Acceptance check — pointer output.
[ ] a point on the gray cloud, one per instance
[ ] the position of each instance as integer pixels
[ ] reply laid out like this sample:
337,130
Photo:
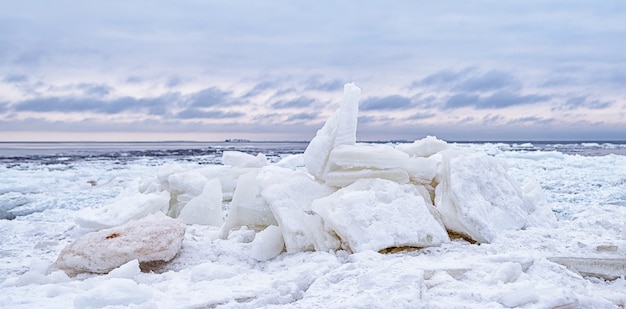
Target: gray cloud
500,99
420,116
193,113
391,102
301,116
95,89
470,80
301,102
211,97
261,87
316,83
462,100
444,78
173,81
15,78
531,120
584,102
492,80
155,106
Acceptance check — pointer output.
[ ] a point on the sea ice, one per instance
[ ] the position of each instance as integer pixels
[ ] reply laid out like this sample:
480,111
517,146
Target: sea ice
425,147
267,244
476,197
153,238
248,208
242,159
366,156
123,209
289,194
339,129
375,214
206,208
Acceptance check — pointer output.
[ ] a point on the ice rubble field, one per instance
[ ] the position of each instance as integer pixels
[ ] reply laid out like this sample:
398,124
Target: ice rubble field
323,255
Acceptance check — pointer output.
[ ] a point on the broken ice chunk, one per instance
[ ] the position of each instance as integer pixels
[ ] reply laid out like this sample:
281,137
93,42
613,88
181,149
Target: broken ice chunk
248,208
340,129
375,214
366,156
122,210
476,197
425,147
206,208
242,159
267,244
342,178
290,194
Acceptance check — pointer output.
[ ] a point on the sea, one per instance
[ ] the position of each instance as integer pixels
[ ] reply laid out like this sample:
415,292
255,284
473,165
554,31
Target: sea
210,152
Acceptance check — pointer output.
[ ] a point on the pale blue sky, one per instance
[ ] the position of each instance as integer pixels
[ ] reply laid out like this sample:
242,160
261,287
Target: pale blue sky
274,70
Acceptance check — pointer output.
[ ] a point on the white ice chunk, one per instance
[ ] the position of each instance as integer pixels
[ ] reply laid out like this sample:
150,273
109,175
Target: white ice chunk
128,270
227,175
294,161
342,178
476,197
205,208
340,129
374,214
372,156
242,159
123,210
183,186
189,182
267,244
289,195
425,147
153,238
248,208
422,170
536,203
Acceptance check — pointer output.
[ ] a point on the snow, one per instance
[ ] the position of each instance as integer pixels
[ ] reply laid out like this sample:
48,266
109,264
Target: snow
305,233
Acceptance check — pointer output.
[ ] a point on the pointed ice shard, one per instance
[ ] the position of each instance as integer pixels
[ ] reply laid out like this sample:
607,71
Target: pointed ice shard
340,129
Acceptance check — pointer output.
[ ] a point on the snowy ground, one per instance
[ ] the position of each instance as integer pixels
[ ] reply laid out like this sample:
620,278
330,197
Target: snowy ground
588,195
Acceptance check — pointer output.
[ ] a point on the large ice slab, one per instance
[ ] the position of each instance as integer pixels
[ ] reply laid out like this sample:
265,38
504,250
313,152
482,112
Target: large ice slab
373,156
248,208
242,159
425,147
290,195
206,208
123,209
476,197
374,214
154,238
267,244
340,129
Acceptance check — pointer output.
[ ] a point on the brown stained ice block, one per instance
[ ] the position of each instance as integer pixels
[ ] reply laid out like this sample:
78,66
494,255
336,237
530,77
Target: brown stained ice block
609,269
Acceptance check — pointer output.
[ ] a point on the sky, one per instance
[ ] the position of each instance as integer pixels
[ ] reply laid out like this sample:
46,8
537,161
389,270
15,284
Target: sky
274,70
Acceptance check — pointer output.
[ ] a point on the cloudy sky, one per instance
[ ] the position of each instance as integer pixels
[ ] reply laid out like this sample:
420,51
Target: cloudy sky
274,70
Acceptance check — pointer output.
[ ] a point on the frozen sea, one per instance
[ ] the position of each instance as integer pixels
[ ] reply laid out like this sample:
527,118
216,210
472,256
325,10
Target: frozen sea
43,185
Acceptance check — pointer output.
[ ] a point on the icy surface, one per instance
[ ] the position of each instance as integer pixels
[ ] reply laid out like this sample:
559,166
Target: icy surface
585,193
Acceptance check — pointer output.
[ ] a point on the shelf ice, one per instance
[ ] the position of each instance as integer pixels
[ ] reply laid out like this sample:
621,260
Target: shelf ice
348,195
